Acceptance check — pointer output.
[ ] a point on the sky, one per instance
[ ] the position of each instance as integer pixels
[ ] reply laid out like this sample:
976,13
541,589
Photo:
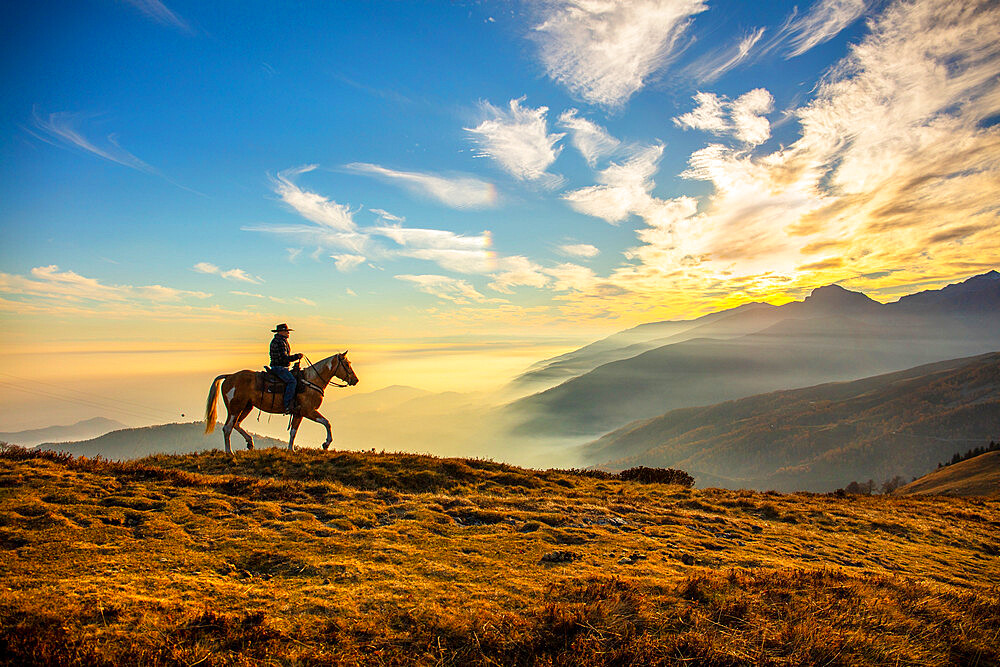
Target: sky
453,191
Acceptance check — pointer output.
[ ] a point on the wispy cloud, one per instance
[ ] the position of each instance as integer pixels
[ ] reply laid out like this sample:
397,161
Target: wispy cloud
572,278
455,290
432,238
624,188
310,205
823,22
604,51
711,67
346,263
62,129
160,13
320,236
457,192
276,299
584,250
592,140
517,271
385,215
709,115
229,274
51,290
519,141
450,251
742,118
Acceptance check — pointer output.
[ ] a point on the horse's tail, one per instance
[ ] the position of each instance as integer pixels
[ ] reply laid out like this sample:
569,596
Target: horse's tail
213,397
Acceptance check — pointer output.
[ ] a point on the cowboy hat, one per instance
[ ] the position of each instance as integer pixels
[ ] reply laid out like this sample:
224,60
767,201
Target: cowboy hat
281,327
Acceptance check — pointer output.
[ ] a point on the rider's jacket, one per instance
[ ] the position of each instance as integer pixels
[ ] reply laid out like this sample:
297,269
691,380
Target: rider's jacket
281,351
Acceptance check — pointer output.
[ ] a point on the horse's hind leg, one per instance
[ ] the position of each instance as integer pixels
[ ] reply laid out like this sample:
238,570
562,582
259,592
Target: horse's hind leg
293,427
243,415
227,430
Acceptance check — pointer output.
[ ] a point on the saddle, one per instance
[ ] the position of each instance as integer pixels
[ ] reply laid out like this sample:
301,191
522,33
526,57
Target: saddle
272,384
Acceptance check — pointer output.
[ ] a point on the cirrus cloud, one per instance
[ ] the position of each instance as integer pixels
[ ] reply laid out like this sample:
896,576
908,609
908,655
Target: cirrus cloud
230,274
519,141
459,192
50,290
310,205
823,22
624,188
743,118
456,290
604,51
584,250
592,140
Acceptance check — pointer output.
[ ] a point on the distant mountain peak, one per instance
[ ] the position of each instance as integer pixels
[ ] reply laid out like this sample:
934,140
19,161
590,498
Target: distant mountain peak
836,296
989,276
978,294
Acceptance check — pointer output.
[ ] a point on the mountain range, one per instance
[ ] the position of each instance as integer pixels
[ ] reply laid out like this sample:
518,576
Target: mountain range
81,430
832,335
135,443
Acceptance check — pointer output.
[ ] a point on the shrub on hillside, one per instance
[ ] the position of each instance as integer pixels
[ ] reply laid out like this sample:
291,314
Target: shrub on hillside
593,473
640,474
657,476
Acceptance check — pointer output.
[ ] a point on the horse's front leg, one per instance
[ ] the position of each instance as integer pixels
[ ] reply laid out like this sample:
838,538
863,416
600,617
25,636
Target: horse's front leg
320,419
296,420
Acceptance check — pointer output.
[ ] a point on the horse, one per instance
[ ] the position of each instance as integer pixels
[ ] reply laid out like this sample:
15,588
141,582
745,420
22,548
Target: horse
244,390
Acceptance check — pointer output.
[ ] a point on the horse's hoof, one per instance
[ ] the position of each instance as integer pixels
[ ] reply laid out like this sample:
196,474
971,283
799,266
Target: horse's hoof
250,446
326,446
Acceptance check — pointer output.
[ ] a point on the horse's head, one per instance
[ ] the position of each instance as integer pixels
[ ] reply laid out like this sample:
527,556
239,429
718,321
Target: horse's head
344,371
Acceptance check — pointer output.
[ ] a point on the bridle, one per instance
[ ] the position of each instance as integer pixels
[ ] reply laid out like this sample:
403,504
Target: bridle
340,364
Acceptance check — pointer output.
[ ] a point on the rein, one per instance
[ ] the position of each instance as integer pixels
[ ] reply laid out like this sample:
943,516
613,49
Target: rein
340,362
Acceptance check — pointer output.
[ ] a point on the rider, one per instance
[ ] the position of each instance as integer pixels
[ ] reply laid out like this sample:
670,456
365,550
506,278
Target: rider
281,356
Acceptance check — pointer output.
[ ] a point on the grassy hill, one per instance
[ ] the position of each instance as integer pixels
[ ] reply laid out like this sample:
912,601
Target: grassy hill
361,558
135,443
820,438
979,476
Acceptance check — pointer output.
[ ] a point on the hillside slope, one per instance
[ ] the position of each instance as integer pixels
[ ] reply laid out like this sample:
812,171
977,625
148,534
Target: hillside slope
345,558
978,476
822,437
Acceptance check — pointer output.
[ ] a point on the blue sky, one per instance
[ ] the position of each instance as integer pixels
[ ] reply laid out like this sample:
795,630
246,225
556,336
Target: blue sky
518,176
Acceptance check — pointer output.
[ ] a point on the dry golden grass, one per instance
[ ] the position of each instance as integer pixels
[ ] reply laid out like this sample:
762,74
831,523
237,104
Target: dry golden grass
363,558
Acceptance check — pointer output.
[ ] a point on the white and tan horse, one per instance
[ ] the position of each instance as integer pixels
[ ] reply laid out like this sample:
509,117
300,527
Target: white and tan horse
243,391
